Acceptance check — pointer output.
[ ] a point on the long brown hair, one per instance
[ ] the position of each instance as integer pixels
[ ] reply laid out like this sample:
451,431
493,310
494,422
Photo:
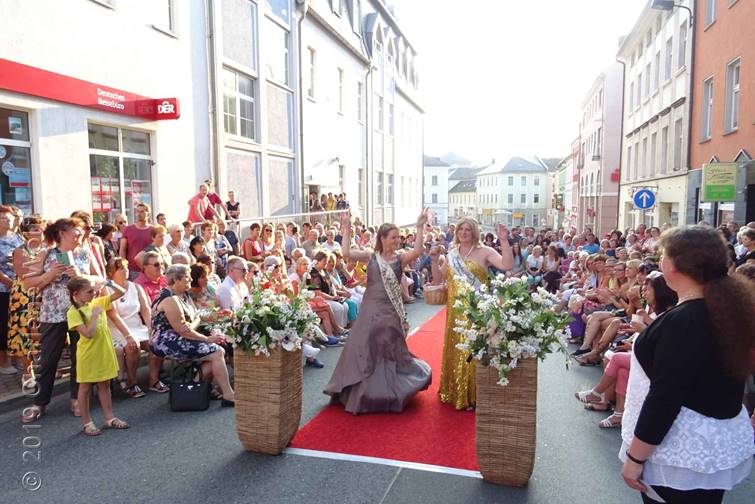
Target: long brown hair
382,233
701,253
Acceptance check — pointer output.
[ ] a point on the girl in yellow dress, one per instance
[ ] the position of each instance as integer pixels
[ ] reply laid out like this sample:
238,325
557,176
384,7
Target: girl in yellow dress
468,261
95,355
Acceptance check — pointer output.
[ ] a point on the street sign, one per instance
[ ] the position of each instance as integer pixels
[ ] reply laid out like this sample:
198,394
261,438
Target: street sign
719,182
644,199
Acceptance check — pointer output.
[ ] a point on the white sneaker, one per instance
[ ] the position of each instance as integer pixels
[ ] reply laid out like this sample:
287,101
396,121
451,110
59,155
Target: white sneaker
8,370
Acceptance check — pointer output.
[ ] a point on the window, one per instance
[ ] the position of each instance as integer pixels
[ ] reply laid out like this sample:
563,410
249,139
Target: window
710,12
682,61
435,180
360,101
435,198
536,181
240,43
524,180
523,199
389,188
277,48
627,173
381,124
631,96
511,199
647,80
120,166
337,6
639,90
239,104
340,90
356,21
390,119
657,73
664,149
15,158
678,144
644,157
280,8
669,58
732,96
707,109
599,142
380,192
360,186
636,159
536,198
280,116
511,181
312,74
653,152
649,38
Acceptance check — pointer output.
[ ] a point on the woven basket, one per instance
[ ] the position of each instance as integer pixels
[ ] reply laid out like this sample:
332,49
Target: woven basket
505,424
268,399
435,294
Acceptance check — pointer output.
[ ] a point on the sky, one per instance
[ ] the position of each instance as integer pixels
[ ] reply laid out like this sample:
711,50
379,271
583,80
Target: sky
507,77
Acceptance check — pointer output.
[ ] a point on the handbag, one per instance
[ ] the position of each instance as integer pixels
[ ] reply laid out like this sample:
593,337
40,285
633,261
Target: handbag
186,394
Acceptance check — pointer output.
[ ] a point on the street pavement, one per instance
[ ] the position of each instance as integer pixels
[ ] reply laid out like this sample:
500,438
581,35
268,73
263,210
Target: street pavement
196,457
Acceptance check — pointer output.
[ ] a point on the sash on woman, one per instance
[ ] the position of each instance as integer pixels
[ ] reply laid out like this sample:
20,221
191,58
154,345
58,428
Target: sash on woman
393,289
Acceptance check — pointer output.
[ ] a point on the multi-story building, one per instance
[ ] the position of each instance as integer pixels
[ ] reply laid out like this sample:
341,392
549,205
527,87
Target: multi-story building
600,132
515,193
435,190
561,197
657,60
723,111
462,195
102,104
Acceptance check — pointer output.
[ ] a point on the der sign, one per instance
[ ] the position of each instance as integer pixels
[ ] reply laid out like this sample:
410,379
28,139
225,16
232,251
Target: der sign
719,182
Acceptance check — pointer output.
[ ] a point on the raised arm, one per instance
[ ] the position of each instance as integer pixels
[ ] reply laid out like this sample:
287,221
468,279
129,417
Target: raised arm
413,254
348,252
505,260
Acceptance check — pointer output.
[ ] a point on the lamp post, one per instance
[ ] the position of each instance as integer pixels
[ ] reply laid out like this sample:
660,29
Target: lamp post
668,5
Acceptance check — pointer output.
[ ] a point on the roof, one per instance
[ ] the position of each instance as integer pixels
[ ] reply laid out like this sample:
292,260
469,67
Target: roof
550,163
516,165
465,172
433,161
464,186
454,159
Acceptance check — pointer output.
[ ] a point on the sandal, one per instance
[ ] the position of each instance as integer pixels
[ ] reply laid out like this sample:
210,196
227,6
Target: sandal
116,423
584,396
90,429
159,387
584,360
134,391
598,406
32,414
611,422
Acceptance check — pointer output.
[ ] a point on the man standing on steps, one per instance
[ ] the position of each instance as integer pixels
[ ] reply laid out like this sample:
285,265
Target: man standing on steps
136,238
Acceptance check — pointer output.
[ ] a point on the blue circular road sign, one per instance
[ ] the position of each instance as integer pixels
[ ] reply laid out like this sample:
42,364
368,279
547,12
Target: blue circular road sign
644,199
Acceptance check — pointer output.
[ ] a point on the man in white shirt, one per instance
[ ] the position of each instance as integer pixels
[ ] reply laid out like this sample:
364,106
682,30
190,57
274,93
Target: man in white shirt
234,290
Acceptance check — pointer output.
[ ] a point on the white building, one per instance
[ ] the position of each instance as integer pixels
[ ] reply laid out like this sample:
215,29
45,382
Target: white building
435,190
515,193
82,92
657,59
599,165
462,192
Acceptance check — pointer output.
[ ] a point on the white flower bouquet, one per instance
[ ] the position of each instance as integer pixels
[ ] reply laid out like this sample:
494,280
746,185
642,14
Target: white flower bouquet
507,323
268,320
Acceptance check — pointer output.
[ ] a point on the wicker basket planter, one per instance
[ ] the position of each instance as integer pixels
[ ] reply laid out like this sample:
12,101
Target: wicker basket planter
435,294
505,424
268,399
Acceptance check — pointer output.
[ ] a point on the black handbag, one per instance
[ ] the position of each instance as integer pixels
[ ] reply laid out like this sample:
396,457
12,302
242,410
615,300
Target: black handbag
187,394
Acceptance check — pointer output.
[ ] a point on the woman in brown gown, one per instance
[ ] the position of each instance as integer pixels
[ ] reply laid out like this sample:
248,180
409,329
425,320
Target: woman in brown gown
376,372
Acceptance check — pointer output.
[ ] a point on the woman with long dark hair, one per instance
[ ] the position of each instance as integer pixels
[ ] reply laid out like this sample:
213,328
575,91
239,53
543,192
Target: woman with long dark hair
686,435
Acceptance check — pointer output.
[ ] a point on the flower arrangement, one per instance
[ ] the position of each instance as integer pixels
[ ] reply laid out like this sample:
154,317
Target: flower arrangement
507,323
268,320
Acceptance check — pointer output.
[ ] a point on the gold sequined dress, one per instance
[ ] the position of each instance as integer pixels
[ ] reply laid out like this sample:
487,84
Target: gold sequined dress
457,376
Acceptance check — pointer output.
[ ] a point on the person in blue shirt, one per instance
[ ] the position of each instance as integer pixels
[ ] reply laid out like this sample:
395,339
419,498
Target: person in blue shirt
591,246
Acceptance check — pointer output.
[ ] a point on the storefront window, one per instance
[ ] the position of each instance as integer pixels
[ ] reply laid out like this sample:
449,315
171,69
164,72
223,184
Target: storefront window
121,169
15,160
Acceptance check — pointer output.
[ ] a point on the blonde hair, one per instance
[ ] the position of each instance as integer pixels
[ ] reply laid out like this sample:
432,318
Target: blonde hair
475,229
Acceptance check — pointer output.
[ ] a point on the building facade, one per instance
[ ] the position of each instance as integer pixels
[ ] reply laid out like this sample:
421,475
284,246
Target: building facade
516,193
462,191
100,126
561,214
599,168
435,191
657,61
723,111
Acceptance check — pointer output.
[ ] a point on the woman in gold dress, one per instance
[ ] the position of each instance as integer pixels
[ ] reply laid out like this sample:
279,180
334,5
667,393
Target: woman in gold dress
469,261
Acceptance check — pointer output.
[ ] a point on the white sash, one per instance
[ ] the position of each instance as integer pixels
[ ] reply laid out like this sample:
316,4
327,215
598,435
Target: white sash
459,267
393,289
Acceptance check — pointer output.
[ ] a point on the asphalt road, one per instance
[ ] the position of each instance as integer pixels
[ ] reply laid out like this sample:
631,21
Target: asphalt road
196,457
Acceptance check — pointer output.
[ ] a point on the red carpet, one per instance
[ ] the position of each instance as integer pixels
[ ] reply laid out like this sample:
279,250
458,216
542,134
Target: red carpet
427,432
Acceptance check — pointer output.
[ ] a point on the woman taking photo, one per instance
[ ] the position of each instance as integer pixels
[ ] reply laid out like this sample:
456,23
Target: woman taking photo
687,376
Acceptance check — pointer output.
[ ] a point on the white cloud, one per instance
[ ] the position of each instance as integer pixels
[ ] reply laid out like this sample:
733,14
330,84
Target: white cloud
505,77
